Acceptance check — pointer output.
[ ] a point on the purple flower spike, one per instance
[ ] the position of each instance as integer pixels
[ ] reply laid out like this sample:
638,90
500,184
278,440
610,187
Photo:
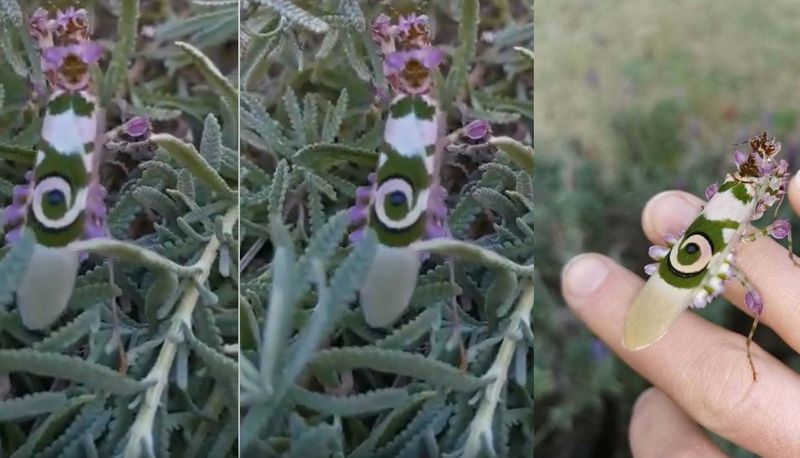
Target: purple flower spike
477,130
137,128
753,302
780,229
739,157
711,190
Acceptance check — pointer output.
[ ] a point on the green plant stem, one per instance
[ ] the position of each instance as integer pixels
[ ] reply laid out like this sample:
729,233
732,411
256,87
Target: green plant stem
480,429
142,428
130,252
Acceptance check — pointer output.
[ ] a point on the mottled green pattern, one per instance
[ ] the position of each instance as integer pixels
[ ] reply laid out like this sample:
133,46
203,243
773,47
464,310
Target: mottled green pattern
712,230
75,101
56,237
70,166
738,189
413,104
413,170
72,169
398,237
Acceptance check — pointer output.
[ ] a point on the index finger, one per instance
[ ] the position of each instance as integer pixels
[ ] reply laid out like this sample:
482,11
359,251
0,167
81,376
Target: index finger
698,364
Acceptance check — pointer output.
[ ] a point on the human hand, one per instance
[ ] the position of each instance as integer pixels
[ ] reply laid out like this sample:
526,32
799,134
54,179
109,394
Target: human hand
699,369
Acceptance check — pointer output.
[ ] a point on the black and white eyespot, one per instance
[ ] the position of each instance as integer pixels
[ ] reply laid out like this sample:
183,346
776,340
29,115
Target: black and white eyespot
53,204
398,194
692,255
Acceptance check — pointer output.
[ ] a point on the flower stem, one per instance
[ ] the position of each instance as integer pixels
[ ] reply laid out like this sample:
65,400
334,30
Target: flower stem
142,428
480,430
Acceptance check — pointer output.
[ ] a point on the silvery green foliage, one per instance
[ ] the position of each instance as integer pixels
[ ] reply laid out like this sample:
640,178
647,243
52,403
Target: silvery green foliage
316,381
173,211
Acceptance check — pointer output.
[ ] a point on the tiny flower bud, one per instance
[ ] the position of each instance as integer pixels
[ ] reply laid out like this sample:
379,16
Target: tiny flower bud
753,302
780,228
137,128
477,130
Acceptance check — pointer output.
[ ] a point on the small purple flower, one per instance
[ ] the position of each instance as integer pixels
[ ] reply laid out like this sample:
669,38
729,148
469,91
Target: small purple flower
356,235
363,194
137,128
477,130
780,228
88,53
765,166
71,19
356,215
739,157
650,269
430,58
407,23
753,302
13,214
711,190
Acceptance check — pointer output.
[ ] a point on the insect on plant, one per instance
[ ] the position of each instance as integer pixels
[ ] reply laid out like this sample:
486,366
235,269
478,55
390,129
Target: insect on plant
693,266
62,201
404,201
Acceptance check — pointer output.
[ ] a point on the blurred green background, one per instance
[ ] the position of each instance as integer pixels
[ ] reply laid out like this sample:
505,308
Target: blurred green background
634,98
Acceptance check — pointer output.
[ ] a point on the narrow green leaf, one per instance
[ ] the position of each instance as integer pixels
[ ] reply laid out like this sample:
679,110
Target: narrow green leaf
358,404
522,155
123,50
398,362
215,79
32,405
14,264
188,157
295,14
69,368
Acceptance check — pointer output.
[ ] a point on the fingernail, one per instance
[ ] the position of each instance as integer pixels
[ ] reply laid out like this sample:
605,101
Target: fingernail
670,212
583,275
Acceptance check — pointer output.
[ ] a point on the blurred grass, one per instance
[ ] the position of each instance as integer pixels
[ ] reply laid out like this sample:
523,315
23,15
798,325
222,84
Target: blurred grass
635,98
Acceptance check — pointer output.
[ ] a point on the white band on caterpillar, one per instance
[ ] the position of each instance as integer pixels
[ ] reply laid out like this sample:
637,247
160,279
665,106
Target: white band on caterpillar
56,183
399,184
